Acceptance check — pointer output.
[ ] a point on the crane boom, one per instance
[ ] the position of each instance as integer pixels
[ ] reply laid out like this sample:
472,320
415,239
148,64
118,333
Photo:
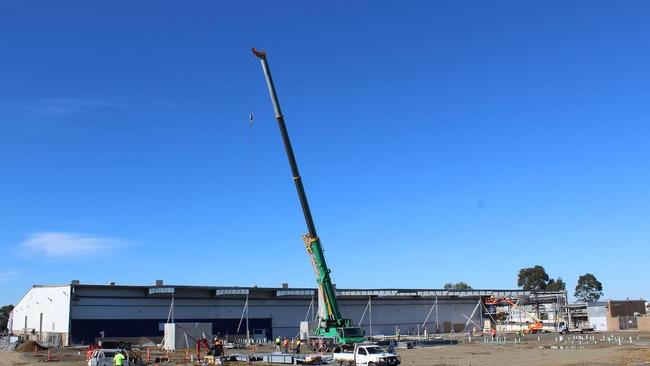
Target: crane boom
333,324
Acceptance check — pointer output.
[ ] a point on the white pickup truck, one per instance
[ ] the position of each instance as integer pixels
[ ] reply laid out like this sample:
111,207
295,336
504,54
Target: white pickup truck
563,328
365,354
104,357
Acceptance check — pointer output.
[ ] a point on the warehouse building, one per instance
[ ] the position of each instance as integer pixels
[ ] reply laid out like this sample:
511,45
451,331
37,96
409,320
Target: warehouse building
607,315
80,313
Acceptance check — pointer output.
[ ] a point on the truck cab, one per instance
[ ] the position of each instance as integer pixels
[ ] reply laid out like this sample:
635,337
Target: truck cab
350,335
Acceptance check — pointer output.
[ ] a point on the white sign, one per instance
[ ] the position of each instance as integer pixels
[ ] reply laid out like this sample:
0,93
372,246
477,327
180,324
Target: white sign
161,290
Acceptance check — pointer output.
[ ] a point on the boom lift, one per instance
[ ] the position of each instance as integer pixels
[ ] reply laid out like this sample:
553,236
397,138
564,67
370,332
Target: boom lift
331,324
534,327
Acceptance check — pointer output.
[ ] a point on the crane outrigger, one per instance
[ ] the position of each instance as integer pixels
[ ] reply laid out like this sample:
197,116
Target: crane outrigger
331,324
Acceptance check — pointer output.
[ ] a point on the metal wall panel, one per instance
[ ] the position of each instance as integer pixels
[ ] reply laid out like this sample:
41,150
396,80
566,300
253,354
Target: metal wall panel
388,313
42,311
52,302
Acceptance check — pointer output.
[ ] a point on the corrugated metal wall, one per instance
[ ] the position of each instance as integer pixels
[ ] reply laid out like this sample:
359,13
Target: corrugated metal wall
43,312
130,312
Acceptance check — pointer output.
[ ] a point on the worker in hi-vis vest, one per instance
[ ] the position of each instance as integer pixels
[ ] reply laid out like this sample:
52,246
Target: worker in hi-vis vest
119,358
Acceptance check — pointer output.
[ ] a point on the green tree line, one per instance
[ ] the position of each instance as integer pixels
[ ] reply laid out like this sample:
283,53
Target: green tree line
588,288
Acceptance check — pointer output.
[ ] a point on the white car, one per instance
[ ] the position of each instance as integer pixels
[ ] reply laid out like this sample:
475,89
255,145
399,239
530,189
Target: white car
104,357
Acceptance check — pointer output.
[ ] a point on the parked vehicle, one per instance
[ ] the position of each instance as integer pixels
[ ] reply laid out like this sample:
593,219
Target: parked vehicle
366,355
563,328
104,357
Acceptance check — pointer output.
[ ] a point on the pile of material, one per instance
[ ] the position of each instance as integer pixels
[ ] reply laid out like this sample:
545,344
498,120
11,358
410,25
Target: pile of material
28,346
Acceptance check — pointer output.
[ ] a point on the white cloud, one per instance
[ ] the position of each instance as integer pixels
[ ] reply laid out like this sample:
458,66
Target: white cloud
8,275
62,106
63,244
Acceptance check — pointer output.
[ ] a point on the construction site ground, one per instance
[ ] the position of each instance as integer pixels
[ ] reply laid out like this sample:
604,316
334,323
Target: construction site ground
531,352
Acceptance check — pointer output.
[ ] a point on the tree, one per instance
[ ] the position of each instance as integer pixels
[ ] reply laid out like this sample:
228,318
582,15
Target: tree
534,278
457,286
588,289
556,285
4,316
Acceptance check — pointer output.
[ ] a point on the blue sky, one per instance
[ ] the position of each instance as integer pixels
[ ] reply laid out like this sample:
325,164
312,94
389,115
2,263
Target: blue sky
439,141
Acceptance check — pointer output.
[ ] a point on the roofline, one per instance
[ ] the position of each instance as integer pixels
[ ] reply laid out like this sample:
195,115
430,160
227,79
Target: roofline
46,286
399,290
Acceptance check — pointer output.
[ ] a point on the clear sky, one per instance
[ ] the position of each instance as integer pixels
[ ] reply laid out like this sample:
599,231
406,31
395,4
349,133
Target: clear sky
439,141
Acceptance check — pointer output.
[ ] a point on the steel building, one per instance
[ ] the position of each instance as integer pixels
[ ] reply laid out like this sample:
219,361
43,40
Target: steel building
597,315
80,313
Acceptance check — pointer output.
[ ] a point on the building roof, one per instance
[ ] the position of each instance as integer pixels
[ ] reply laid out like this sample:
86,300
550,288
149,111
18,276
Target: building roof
310,292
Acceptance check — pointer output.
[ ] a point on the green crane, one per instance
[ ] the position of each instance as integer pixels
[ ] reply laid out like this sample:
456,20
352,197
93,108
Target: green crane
331,324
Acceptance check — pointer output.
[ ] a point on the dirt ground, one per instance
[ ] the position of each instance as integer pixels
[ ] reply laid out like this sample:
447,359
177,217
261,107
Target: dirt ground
548,350
529,353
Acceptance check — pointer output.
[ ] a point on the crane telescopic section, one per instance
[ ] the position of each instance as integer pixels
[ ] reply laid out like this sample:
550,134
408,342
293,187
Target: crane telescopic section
332,324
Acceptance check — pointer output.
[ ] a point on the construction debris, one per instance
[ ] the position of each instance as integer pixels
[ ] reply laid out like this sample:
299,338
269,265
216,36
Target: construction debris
29,346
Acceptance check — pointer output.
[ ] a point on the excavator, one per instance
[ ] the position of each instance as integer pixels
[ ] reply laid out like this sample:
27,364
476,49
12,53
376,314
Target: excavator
533,327
331,324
